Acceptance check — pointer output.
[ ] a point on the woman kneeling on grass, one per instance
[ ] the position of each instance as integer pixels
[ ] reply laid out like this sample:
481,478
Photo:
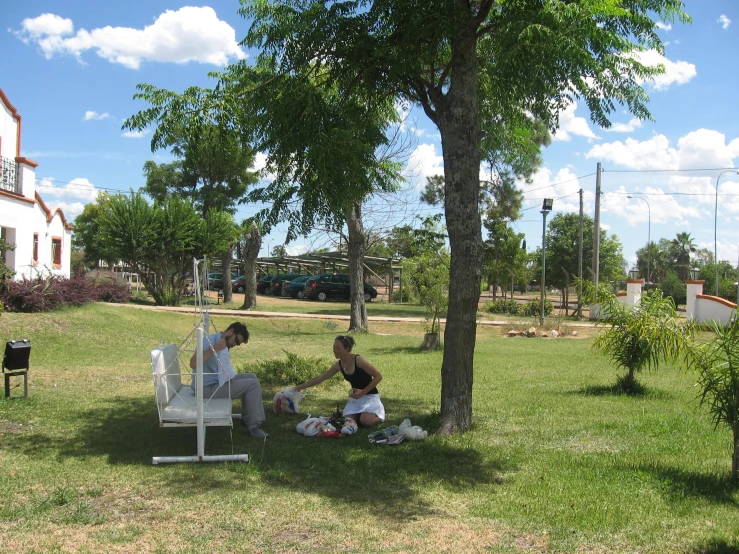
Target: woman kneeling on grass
364,406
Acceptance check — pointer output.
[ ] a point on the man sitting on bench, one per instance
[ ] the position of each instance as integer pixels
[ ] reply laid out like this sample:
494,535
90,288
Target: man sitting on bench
221,381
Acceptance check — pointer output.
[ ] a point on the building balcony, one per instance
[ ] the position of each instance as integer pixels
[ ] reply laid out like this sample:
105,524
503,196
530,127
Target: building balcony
9,175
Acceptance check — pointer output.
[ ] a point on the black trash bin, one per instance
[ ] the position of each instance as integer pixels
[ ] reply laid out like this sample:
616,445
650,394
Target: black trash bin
15,364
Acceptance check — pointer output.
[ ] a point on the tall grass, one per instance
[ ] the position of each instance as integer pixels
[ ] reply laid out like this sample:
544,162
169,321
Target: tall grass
555,461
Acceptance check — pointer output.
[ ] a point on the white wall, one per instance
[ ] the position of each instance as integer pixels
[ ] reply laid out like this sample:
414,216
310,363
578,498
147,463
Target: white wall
25,213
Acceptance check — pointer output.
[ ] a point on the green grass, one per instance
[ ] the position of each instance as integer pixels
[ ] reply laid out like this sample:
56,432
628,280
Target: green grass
555,462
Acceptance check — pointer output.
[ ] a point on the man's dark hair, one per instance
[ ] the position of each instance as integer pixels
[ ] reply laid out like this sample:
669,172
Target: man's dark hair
240,329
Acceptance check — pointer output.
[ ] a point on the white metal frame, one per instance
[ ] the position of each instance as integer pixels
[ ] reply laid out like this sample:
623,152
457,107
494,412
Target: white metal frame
201,328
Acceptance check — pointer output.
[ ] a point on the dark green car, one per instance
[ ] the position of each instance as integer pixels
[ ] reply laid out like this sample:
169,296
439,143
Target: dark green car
296,287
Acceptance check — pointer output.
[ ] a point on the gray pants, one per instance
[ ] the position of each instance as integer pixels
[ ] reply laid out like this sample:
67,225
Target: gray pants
246,387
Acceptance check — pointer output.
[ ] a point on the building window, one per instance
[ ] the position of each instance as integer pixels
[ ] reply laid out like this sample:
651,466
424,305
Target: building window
35,248
56,250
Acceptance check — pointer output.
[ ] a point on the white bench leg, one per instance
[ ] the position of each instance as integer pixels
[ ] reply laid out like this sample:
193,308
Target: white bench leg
192,459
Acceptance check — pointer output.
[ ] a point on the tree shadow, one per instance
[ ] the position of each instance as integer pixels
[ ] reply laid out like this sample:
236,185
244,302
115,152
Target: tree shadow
716,546
388,481
681,483
640,391
415,350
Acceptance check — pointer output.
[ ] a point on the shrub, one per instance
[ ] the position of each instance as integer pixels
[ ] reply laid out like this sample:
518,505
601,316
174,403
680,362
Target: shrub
31,295
502,306
533,308
291,371
673,287
44,294
409,296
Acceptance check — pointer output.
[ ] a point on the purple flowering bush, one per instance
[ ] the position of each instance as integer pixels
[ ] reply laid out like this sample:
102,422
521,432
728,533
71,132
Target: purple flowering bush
44,294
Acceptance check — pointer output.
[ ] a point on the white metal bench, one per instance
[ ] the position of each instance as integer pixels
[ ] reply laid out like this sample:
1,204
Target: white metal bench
178,405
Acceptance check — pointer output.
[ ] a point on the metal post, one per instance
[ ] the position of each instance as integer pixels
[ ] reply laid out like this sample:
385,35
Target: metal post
545,209
649,237
543,264
715,225
596,229
579,263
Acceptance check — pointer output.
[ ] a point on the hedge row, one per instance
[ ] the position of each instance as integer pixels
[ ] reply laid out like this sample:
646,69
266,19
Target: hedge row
511,307
44,294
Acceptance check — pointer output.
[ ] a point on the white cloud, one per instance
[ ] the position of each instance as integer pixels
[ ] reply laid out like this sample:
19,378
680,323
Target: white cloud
675,72
654,153
94,115
47,24
135,134
562,186
423,162
79,188
725,21
663,26
656,207
570,124
635,123
697,149
188,34
70,209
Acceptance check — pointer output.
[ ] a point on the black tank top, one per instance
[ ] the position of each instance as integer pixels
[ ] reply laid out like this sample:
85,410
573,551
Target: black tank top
360,378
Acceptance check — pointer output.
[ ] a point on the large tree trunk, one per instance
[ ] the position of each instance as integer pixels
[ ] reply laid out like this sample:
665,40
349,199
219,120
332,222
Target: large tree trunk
358,319
226,274
252,245
459,128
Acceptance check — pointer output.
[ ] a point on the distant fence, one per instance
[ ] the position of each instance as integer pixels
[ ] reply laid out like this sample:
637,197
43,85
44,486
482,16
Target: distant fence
700,307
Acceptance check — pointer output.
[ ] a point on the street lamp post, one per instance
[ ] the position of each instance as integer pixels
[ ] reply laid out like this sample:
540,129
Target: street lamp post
546,207
649,238
715,223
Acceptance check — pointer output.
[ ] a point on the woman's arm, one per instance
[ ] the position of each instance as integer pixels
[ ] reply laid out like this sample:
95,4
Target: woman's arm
370,370
333,370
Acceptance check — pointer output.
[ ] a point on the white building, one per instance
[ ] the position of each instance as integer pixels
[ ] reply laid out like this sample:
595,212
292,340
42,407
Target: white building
42,236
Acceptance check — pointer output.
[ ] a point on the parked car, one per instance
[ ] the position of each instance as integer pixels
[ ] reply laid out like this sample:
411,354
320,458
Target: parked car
239,283
263,284
275,285
296,287
214,281
328,285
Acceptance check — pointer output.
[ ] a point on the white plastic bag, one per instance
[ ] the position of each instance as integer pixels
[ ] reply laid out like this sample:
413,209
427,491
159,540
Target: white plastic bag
311,426
411,432
286,401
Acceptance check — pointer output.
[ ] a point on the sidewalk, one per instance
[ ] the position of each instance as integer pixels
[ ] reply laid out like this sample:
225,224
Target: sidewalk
288,315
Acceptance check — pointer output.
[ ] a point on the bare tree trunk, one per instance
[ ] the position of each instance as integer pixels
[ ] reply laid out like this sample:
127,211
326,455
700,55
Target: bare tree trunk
457,115
358,318
252,245
226,274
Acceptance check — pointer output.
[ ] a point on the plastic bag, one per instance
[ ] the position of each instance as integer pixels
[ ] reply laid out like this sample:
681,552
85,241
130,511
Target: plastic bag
311,426
411,432
286,401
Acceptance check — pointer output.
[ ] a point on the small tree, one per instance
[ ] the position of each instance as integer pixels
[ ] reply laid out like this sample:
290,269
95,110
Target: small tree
159,241
637,337
428,274
717,364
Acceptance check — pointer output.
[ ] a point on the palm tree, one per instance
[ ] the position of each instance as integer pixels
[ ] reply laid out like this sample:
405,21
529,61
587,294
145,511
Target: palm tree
639,337
683,246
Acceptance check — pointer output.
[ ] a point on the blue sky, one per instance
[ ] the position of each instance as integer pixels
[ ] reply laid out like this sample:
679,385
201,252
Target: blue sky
71,69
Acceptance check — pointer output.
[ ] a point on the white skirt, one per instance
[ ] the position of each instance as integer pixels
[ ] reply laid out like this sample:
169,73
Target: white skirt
368,403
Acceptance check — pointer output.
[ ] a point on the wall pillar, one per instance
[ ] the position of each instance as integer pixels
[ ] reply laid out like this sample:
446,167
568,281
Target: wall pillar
633,291
694,289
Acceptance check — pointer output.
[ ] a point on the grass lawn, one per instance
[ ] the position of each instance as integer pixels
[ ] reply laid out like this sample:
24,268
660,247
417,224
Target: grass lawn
555,461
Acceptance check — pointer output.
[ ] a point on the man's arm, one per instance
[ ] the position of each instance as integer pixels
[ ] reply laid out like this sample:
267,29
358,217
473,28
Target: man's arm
208,352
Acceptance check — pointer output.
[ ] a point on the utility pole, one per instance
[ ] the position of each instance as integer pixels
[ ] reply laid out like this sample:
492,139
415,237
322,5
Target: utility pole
579,266
596,228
